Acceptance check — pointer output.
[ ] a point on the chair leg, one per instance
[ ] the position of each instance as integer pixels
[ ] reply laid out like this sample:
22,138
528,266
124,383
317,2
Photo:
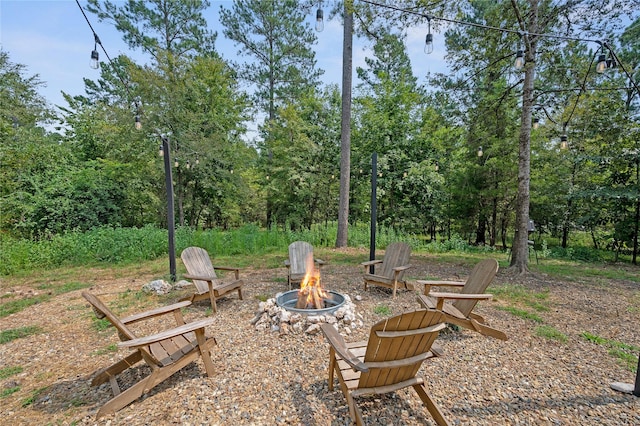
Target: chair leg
354,411
105,374
240,293
212,297
205,353
332,366
433,408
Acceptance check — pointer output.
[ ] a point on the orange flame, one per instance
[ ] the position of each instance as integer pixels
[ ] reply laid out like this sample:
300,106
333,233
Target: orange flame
311,286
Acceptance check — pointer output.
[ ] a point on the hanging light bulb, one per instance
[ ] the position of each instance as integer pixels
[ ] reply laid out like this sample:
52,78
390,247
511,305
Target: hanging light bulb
428,42
602,64
437,166
480,153
563,142
94,53
319,19
176,163
94,59
161,151
138,123
519,63
536,123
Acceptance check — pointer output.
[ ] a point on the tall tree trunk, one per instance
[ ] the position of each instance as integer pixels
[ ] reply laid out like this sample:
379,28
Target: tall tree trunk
520,249
636,225
345,133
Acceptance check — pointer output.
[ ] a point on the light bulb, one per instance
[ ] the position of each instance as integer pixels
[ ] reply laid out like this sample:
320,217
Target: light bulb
319,20
94,59
428,44
519,63
602,64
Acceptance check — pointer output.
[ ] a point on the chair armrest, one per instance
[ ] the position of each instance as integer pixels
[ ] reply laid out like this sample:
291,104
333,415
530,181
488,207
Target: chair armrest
226,268
338,344
371,262
167,334
155,312
287,263
442,283
401,268
429,283
441,297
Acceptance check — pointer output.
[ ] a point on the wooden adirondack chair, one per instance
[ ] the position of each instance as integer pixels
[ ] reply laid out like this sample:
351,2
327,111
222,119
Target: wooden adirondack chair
390,270
473,290
165,352
388,361
203,274
299,252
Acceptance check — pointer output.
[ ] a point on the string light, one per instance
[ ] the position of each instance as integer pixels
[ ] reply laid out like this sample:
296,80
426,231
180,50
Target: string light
319,18
428,42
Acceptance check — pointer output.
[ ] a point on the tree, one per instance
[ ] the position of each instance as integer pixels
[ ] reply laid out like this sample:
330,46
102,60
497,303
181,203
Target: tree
26,150
274,35
188,94
160,26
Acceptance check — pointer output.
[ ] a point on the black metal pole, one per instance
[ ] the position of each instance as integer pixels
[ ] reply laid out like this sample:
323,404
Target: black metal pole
171,225
374,208
636,389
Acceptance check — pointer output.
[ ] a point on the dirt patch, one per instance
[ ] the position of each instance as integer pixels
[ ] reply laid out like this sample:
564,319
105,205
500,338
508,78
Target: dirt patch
265,378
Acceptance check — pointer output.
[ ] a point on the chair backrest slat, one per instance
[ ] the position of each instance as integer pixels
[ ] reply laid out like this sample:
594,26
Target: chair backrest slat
198,262
396,254
101,308
385,348
479,279
299,251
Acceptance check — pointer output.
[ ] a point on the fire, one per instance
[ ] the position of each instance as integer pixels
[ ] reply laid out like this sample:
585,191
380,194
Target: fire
311,294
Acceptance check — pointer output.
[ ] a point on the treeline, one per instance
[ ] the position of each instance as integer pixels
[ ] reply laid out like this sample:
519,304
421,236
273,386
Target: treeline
102,171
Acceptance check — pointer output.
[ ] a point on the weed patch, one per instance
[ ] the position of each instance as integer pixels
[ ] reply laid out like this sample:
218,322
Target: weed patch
8,391
9,371
625,353
382,310
521,313
14,306
551,333
7,336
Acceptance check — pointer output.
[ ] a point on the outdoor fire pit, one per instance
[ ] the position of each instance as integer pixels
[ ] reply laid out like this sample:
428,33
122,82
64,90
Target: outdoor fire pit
332,301
304,309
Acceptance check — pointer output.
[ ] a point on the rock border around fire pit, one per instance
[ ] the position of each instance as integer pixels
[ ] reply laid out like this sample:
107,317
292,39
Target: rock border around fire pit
274,318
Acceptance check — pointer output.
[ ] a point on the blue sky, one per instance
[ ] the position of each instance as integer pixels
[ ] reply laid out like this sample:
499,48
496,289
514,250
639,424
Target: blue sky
52,39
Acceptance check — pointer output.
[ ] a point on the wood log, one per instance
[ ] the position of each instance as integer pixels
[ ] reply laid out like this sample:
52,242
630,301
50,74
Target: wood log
301,303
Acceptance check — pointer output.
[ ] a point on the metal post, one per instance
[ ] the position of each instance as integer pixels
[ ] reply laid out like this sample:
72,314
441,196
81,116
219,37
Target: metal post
171,226
636,389
374,208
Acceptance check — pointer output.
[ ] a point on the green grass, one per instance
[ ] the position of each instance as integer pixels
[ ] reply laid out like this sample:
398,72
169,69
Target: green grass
32,398
521,295
550,333
9,371
521,313
625,353
262,297
18,305
383,310
14,306
65,287
7,336
8,391
109,349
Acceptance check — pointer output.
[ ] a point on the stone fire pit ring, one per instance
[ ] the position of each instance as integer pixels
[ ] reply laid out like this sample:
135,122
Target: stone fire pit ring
288,299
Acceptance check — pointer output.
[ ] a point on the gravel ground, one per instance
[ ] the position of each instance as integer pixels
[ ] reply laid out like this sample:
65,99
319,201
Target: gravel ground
264,378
